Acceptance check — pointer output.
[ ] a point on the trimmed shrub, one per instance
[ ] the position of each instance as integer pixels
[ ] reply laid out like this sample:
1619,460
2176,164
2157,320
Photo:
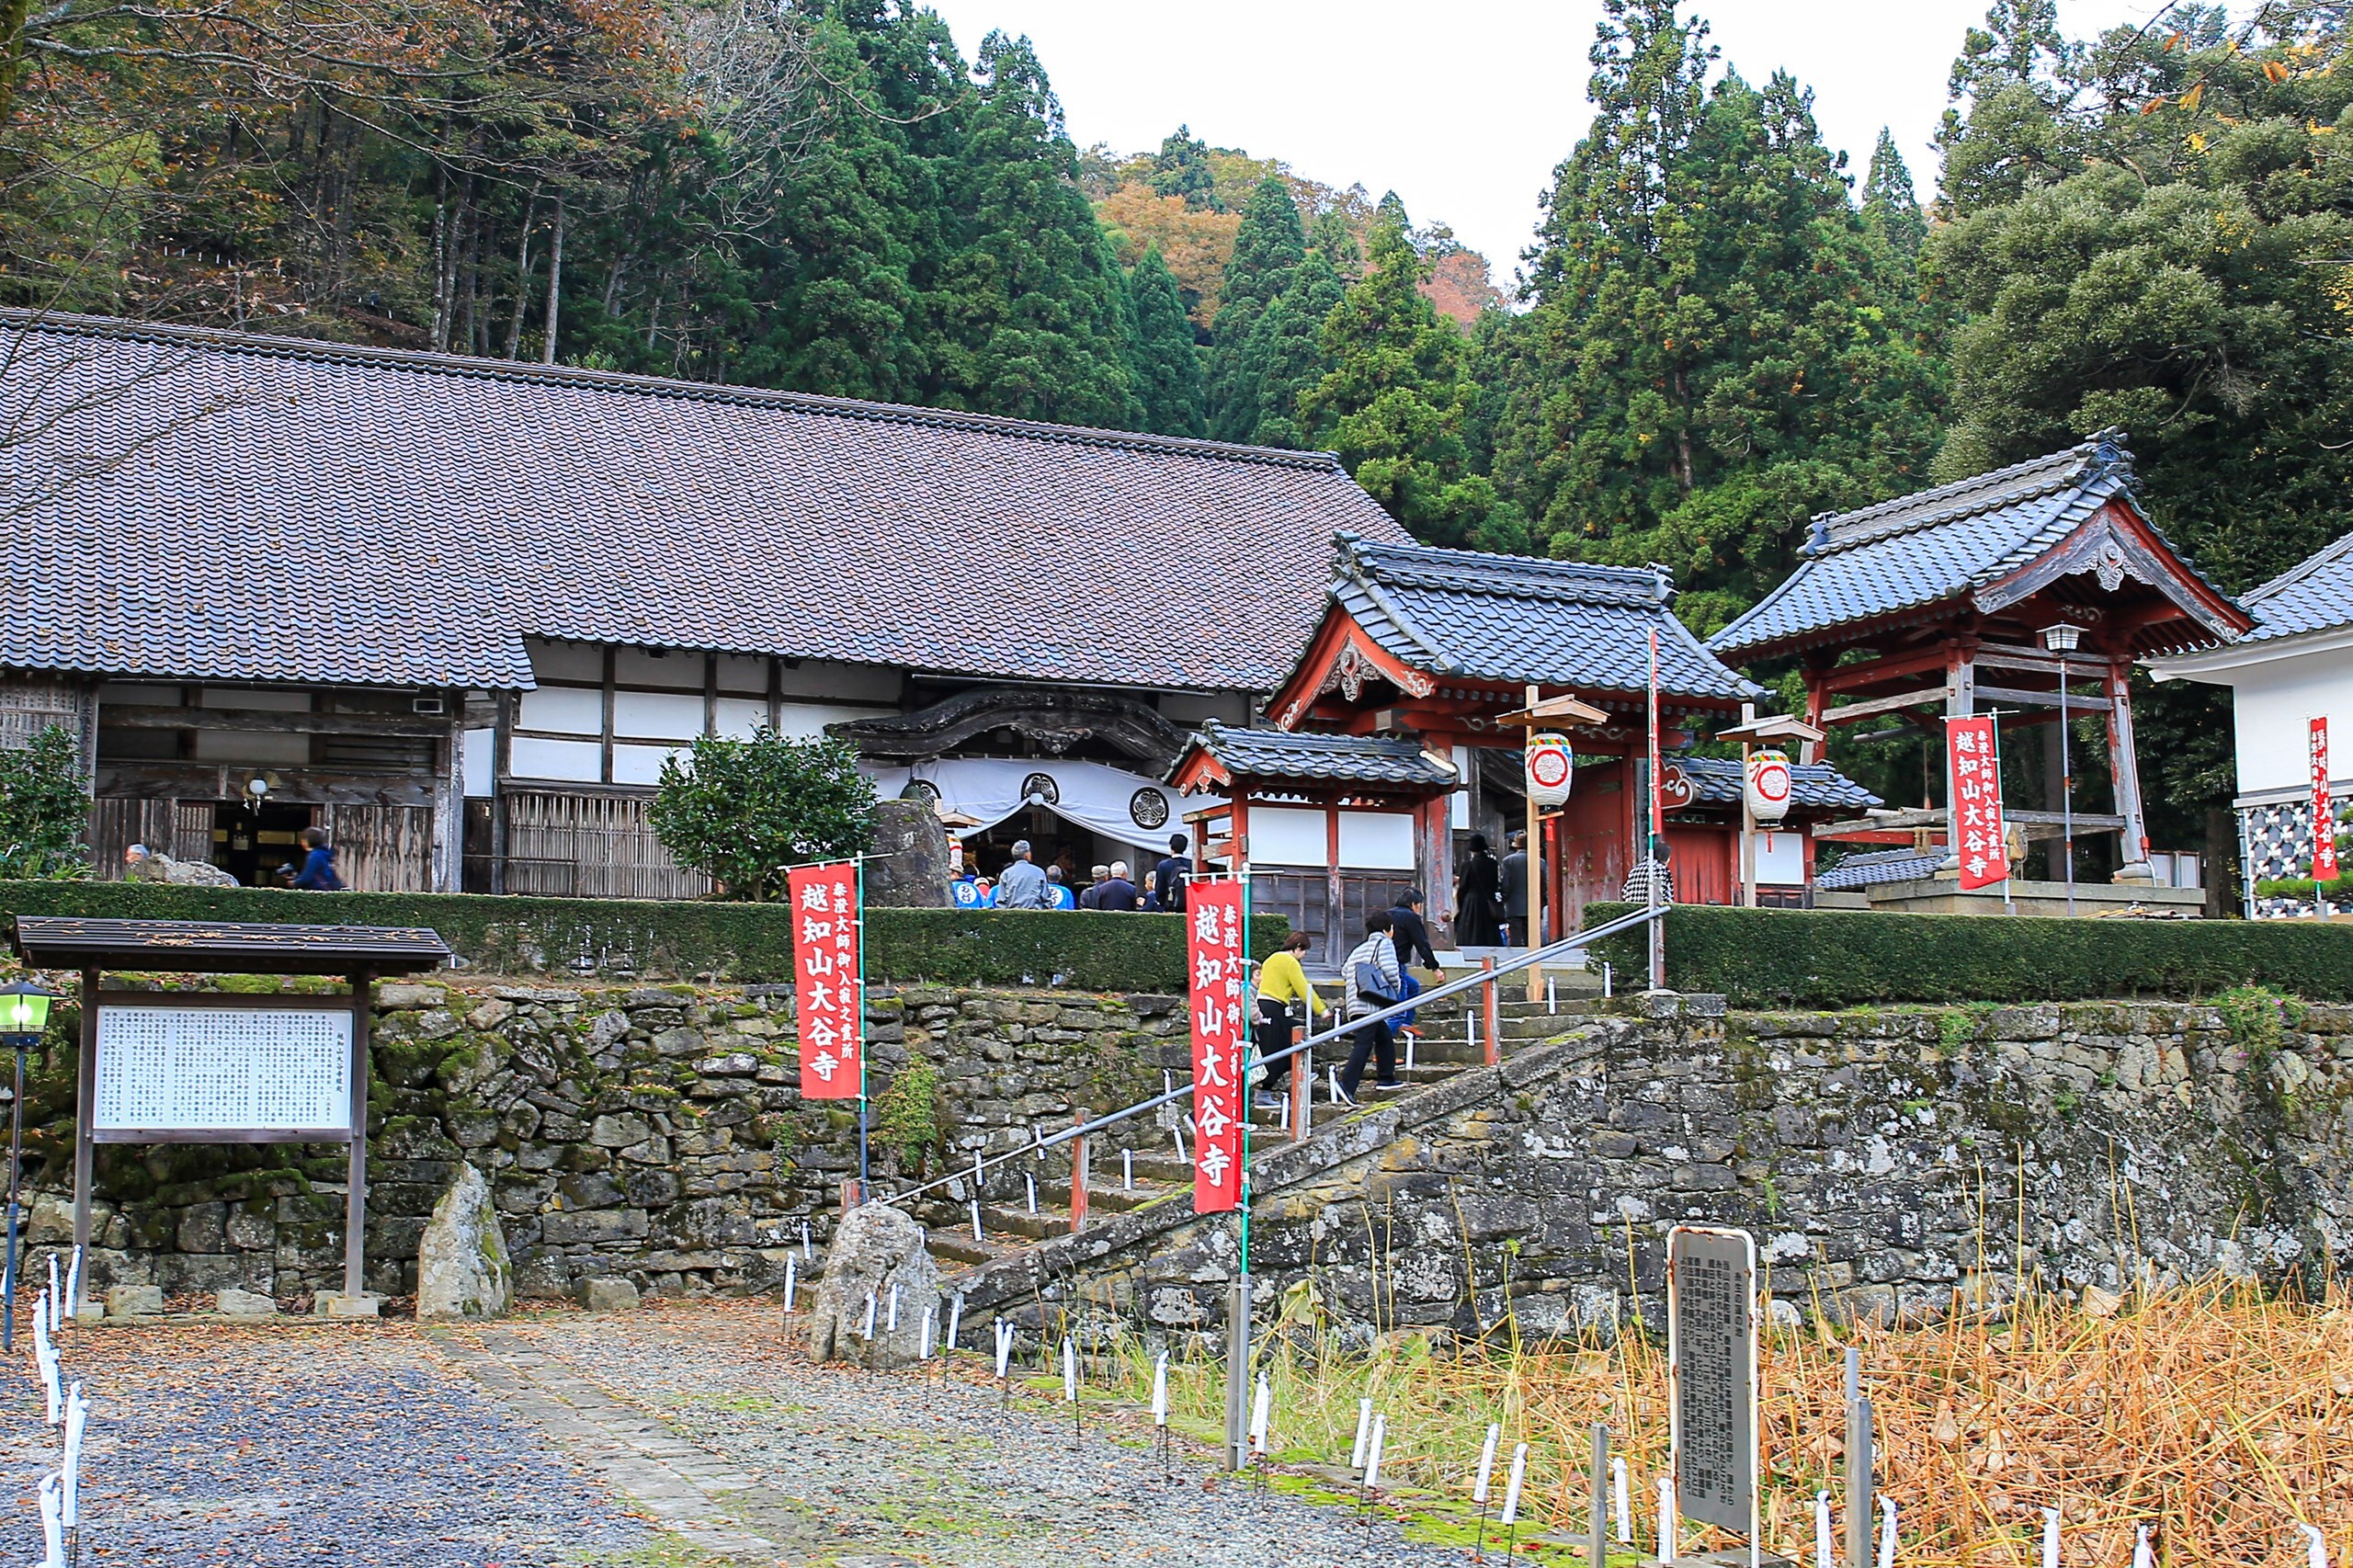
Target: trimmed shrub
744,942
1830,957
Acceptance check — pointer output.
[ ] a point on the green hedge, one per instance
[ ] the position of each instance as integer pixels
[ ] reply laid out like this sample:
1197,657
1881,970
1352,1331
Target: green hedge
747,942
1829,958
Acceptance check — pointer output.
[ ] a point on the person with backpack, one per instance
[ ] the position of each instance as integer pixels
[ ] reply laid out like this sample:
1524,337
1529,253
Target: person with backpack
1373,982
1168,878
318,872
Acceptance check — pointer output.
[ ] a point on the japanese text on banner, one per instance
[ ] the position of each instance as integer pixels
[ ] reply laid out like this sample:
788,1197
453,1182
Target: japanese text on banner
1216,962
829,990
1974,797
2323,810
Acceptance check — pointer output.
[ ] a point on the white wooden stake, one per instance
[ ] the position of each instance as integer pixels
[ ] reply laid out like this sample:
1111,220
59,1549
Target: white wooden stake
2315,1544
2051,1539
976,1219
1364,1428
868,1331
74,1305
1261,1410
1160,1390
790,1263
808,1253
1409,1053
1282,1114
1335,1084
1486,1463
892,1324
1667,1530
923,1334
1621,1506
1030,1182
1552,997
1887,1532
1070,1371
56,1298
1511,1486
52,1520
1004,1346
77,1414
1127,1170
1823,1555
1372,1452
955,1322
2142,1557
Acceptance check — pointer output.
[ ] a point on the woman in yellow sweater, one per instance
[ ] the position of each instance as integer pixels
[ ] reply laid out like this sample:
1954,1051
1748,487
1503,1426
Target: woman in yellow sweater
1285,1001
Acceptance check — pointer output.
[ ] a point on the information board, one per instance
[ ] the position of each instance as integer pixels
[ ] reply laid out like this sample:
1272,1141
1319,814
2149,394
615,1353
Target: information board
260,1072
1712,1368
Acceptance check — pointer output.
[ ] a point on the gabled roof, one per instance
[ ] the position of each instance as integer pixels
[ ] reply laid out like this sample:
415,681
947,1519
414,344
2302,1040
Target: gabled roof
205,504
1942,543
1880,865
1815,786
1524,620
2315,594
1292,754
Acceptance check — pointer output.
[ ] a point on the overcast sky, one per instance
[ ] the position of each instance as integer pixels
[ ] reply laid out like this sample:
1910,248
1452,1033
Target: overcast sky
1462,108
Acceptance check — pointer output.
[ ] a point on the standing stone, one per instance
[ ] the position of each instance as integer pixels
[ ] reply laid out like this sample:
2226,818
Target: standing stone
909,867
874,1247
462,1269
234,1302
607,1294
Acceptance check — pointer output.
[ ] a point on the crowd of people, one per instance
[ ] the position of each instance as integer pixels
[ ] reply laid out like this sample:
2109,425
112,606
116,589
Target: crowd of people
1025,884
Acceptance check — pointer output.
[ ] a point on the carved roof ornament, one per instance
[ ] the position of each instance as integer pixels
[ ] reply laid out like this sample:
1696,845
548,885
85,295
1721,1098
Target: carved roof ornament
1052,721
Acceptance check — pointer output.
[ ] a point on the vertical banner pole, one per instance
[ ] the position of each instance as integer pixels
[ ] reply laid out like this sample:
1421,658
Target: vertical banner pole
827,905
16,1170
1657,842
1859,1482
1534,938
857,1025
2323,812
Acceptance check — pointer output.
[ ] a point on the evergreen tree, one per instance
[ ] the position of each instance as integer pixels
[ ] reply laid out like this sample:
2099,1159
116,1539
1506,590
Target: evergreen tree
1162,360
1034,307
1267,250
1394,404
2013,74
1332,235
1718,346
1891,207
1283,357
1182,168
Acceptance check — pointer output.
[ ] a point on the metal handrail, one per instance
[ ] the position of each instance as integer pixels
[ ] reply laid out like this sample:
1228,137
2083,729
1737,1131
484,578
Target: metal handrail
1561,948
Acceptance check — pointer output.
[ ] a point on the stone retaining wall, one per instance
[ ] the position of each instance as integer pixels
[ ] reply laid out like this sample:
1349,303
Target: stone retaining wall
1884,1160
653,1133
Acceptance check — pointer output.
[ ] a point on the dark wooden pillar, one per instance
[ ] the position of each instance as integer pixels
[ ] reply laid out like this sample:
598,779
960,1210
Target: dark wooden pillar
355,1202
86,1112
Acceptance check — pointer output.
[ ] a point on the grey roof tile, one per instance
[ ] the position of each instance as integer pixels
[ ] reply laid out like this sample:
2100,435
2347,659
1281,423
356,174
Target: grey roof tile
215,505
2315,594
1344,759
1524,619
1880,866
1815,785
1919,548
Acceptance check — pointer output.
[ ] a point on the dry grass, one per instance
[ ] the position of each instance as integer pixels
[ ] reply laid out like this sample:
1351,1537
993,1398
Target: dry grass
2215,1414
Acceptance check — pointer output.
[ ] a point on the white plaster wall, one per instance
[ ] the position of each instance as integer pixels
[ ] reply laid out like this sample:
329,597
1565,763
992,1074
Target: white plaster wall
2275,705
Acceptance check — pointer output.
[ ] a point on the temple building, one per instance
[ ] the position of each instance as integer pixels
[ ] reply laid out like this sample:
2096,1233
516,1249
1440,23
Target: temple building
460,611
2291,684
2029,591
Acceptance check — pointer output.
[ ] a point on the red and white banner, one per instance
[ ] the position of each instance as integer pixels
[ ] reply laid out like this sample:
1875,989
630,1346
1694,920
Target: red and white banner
829,991
2323,810
1214,954
1975,795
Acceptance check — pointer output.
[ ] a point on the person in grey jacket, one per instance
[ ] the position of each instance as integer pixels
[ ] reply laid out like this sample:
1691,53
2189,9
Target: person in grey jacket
1023,886
1375,957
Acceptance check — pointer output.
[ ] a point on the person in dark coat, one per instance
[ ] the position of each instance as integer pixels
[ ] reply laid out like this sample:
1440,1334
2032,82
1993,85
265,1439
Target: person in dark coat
1478,906
318,872
1515,878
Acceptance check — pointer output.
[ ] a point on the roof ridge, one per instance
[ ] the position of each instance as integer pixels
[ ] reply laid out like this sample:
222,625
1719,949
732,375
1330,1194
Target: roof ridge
1501,561
2326,555
1990,485
284,346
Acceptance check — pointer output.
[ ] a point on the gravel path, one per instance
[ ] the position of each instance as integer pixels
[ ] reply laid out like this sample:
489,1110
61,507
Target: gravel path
836,1468
329,1446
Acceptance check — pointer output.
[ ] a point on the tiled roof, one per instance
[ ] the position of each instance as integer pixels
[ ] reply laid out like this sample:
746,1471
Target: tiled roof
1880,866
2314,595
1816,785
1525,619
1344,759
1917,550
215,505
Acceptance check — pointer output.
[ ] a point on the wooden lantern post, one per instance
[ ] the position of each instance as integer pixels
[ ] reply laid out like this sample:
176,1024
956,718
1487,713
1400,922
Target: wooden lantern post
1542,712
1752,731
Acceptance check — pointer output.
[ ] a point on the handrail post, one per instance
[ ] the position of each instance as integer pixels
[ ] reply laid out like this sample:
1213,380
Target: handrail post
1491,1050
1078,1165
1302,1090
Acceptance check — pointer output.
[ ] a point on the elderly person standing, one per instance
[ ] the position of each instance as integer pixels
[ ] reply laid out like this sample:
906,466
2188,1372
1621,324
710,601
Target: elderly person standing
1023,885
1119,894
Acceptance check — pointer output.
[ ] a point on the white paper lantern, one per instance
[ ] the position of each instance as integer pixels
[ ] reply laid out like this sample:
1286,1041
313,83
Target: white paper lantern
1768,786
1552,767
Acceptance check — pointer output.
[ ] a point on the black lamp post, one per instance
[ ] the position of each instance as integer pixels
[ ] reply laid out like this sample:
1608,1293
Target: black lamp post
2063,639
24,1015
